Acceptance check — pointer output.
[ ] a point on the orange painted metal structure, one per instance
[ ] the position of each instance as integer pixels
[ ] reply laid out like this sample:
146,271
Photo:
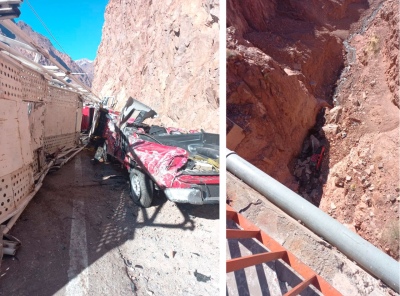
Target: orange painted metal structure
276,252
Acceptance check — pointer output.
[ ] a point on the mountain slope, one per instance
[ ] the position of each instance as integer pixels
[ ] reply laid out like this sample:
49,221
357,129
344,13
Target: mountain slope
87,66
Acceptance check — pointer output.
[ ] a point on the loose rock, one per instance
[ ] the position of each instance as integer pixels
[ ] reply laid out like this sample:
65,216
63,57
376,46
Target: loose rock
335,114
339,182
366,184
331,129
356,102
364,96
298,172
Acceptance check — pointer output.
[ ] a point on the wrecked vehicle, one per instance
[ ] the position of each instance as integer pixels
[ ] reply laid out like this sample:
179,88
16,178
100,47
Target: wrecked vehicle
87,118
185,166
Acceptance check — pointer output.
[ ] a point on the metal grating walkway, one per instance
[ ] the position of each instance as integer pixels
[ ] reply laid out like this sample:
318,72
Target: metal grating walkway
276,252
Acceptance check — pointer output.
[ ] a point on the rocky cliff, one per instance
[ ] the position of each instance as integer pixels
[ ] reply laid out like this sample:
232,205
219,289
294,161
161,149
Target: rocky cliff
164,54
64,59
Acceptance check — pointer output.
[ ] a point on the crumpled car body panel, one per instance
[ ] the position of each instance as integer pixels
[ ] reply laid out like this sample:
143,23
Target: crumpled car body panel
161,162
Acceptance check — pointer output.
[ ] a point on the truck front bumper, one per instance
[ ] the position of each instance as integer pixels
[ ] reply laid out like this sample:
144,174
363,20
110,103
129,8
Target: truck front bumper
197,195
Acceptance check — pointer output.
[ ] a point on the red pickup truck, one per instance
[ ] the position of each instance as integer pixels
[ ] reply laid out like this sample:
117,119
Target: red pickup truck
183,165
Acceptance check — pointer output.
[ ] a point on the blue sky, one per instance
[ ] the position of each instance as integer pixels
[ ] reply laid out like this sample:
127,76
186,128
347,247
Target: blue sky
76,24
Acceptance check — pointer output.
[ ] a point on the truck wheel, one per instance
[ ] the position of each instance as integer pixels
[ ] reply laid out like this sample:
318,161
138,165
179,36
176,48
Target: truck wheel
142,188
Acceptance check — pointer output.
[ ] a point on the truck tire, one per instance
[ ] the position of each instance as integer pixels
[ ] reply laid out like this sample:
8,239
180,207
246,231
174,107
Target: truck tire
141,188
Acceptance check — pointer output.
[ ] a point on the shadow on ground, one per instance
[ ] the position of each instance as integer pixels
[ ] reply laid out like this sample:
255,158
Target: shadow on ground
108,220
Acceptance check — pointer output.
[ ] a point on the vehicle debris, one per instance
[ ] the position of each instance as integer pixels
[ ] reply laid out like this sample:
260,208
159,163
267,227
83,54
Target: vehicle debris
40,123
201,277
10,245
307,168
112,177
185,165
10,9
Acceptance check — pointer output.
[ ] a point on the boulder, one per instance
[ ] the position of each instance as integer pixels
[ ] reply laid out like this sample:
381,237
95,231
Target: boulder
330,129
334,114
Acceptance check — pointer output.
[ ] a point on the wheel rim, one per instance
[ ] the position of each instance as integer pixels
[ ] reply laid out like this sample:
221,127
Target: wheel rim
135,185
105,151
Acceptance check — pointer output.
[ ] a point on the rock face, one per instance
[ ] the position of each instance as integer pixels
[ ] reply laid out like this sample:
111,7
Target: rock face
46,44
283,59
286,60
165,54
87,66
367,158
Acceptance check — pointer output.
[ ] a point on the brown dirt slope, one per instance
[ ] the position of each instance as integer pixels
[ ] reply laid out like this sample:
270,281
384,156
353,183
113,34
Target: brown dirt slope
362,188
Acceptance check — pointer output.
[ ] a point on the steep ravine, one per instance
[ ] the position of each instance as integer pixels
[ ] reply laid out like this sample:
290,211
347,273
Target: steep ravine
283,60
287,69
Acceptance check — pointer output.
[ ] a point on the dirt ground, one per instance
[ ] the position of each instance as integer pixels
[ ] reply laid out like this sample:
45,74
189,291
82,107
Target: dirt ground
275,277
82,235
